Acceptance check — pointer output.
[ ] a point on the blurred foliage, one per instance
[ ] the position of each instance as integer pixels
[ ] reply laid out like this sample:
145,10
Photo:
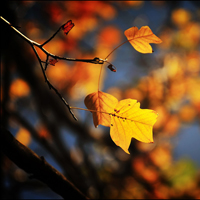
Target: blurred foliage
169,84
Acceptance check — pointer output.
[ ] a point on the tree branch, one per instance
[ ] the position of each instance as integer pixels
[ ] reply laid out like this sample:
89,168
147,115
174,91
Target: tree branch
30,162
94,61
40,46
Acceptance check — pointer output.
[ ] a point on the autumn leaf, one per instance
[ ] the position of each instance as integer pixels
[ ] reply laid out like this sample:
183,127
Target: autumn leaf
140,39
53,61
103,103
125,118
67,27
129,121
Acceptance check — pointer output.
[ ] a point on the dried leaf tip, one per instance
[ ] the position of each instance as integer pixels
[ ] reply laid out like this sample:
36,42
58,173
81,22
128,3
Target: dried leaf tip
53,61
67,26
112,68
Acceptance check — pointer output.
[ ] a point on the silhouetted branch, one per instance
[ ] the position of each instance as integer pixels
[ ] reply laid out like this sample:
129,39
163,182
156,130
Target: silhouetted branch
40,46
30,162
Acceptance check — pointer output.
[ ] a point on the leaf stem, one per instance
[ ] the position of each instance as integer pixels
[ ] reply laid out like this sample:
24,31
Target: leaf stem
105,60
116,49
100,76
89,110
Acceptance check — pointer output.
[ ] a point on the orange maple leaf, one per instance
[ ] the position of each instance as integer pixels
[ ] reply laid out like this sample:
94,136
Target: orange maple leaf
140,39
125,118
102,103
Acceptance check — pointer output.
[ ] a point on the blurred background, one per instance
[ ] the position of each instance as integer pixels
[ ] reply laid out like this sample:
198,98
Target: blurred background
167,81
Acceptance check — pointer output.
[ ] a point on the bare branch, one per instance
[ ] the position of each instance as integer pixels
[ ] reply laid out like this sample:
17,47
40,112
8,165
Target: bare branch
94,61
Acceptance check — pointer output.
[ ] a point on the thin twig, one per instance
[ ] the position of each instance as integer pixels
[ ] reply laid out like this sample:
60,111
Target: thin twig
51,37
51,86
44,74
46,63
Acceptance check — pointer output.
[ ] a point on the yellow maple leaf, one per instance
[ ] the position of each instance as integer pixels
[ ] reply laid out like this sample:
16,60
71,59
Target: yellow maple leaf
125,118
140,39
129,121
